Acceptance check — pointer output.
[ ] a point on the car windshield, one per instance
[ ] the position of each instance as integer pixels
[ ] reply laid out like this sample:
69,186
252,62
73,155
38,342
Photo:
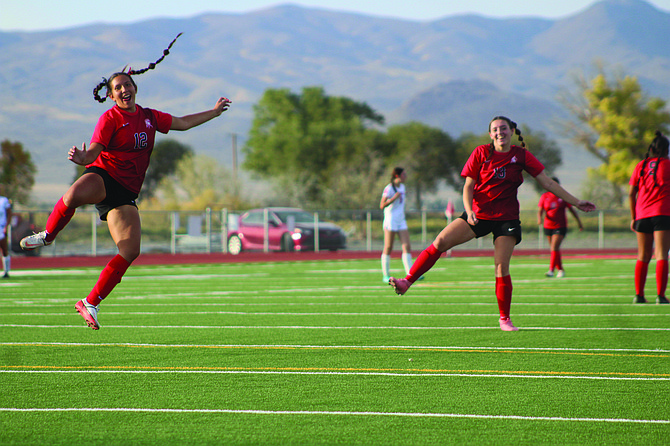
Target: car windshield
299,216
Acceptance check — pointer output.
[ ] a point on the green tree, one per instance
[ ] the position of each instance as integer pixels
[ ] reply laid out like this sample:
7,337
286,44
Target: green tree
615,121
303,139
429,154
17,171
166,156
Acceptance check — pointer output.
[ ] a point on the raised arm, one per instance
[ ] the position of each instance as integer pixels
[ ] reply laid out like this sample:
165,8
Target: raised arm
190,121
557,189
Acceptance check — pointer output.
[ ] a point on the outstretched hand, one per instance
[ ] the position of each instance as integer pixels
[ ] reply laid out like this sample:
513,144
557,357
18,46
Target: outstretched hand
586,206
222,105
78,156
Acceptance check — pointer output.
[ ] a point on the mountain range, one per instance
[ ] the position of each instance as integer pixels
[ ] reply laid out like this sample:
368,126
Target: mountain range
453,73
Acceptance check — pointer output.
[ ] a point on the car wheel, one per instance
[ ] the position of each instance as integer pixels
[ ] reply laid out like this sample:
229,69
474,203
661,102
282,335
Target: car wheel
287,243
234,245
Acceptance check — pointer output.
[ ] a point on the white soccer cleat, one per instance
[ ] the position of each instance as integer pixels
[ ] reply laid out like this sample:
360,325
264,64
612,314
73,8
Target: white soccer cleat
560,274
35,241
89,313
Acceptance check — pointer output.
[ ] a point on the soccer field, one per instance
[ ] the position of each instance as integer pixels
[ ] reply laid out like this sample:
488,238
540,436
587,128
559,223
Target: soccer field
322,352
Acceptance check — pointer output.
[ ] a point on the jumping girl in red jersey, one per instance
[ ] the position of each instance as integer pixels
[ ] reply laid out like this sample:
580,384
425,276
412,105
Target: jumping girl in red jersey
493,174
116,162
650,212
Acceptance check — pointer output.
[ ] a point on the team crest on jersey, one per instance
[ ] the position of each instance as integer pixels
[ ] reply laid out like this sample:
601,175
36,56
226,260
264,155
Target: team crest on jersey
147,123
513,160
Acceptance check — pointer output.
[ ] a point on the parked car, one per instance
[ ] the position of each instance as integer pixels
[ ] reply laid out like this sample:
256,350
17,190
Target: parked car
289,229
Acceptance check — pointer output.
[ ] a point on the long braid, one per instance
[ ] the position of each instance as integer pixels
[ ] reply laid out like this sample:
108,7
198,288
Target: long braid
105,82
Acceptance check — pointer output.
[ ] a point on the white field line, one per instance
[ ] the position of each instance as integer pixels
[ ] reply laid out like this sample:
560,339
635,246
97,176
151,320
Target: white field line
335,413
324,327
335,347
53,303
335,373
359,314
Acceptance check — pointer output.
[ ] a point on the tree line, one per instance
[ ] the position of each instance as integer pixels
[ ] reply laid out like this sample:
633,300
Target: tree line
332,152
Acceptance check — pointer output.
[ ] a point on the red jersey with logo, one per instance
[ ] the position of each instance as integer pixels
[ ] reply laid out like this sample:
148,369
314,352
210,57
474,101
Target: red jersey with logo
653,196
497,180
554,208
129,140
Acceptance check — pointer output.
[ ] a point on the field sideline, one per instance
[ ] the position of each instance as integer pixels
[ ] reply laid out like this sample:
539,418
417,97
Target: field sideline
322,352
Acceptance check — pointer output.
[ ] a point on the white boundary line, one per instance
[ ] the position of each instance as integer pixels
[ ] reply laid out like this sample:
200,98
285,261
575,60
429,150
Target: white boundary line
316,327
333,413
332,347
332,373
334,313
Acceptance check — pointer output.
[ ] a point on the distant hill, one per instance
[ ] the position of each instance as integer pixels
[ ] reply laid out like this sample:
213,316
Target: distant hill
454,73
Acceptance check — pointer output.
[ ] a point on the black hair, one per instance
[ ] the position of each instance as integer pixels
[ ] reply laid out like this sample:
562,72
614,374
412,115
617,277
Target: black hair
512,125
657,149
395,174
107,82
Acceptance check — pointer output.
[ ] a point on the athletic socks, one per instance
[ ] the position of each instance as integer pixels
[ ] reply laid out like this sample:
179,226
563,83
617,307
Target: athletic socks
661,276
423,263
504,295
109,277
6,264
641,269
386,265
58,219
552,260
407,261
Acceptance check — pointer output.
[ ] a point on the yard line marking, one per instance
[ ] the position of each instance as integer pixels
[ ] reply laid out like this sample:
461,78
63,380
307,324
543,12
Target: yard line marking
323,327
287,313
12,302
332,372
335,413
334,347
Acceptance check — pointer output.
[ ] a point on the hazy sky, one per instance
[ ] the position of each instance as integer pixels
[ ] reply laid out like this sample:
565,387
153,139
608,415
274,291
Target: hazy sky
34,15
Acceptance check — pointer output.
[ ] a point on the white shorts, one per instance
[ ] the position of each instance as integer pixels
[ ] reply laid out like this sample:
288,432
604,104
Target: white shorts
395,225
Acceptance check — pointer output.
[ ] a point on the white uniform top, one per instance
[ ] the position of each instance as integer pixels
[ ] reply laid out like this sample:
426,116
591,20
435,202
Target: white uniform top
5,204
394,213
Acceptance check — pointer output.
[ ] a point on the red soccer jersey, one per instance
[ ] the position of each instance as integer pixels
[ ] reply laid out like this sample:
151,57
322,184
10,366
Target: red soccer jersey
129,140
497,180
554,208
653,197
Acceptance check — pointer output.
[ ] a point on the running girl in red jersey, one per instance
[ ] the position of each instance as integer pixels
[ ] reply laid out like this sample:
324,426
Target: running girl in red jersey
116,162
493,174
552,211
650,212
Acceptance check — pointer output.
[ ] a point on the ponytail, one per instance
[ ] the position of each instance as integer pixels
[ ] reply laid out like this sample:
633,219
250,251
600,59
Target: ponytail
106,82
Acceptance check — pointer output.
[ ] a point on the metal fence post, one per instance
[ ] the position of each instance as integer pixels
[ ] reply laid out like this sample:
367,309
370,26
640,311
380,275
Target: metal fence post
173,232
368,231
601,230
316,232
424,227
208,225
266,230
224,230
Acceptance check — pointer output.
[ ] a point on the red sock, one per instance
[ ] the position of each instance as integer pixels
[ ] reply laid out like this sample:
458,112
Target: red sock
640,276
504,295
58,219
557,262
109,277
661,276
552,261
423,263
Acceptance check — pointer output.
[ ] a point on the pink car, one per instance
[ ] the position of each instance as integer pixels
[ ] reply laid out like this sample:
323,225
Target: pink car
289,229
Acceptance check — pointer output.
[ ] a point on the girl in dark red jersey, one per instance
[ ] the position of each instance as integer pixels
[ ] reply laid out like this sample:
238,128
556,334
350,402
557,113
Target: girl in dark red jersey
116,162
493,174
552,211
650,212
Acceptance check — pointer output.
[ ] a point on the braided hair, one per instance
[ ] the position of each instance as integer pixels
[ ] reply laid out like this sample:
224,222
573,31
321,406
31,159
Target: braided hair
657,149
107,82
395,174
512,125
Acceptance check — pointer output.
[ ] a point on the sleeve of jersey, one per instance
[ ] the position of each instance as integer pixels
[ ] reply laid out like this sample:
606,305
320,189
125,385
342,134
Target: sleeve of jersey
635,178
533,166
104,130
473,164
163,121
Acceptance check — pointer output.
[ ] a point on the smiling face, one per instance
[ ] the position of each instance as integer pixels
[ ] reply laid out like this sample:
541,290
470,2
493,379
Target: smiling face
122,90
501,134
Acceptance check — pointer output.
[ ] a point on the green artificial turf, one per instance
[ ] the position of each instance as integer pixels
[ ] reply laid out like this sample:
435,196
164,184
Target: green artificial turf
319,353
